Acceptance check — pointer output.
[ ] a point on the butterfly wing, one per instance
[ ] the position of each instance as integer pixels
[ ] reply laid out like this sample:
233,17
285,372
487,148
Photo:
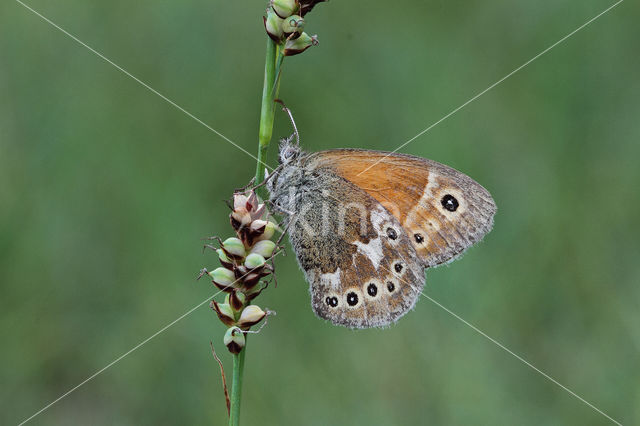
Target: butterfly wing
442,210
362,269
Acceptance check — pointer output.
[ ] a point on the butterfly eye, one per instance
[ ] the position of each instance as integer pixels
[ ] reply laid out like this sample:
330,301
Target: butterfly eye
450,203
391,233
352,299
288,153
391,286
372,290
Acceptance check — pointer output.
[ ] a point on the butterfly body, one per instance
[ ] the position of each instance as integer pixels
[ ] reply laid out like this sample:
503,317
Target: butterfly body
365,224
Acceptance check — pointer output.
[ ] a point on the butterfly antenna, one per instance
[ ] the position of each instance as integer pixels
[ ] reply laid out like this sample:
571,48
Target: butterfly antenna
293,123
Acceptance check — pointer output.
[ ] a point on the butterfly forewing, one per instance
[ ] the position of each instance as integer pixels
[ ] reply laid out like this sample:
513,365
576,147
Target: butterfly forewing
441,210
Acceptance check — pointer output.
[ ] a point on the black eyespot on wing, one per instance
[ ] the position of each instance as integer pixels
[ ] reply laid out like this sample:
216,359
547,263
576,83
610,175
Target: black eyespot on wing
398,267
352,299
372,289
418,237
390,286
391,233
450,203
332,301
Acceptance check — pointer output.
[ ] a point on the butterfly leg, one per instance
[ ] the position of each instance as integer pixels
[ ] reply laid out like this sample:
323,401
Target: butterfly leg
279,209
244,188
268,176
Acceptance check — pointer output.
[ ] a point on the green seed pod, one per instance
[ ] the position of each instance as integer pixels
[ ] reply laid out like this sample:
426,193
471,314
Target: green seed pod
236,299
234,340
223,276
293,25
285,8
264,248
254,292
299,45
234,246
273,25
251,280
269,231
251,315
224,260
225,313
254,260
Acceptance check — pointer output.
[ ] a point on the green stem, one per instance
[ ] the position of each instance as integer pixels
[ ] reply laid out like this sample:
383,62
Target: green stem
267,112
236,390
272,67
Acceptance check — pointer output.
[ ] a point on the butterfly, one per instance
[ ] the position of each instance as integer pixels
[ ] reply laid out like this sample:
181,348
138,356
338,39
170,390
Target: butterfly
365,224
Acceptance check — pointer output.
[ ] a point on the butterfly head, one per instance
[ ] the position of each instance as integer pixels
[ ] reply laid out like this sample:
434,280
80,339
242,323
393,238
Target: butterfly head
287,173
289,150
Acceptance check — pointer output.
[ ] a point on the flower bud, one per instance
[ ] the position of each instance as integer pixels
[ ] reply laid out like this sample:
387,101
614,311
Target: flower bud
234,340
258,212
264,248
307,5
258,226
236,299
223,276
239,201
251,315
253,261
224,312
240,218
240,271
293,25
252,202
251,280
254,292
224,260
284,8
269,231
299,45
234,246
273,25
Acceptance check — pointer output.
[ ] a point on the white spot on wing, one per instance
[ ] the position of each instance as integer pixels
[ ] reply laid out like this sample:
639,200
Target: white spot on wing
378,217
331,279
372,250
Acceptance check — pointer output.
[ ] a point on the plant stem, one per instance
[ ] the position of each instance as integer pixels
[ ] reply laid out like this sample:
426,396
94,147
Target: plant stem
267,112
272,67
238,368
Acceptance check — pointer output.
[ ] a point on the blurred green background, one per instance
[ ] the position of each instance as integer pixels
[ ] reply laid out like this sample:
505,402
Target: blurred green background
106,190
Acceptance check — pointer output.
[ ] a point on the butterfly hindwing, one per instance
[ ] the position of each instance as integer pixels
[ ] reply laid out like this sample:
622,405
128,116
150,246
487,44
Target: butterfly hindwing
442,210
361,267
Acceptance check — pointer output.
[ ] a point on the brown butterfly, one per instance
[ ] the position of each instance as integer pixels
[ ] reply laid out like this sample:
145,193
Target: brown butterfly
365,224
